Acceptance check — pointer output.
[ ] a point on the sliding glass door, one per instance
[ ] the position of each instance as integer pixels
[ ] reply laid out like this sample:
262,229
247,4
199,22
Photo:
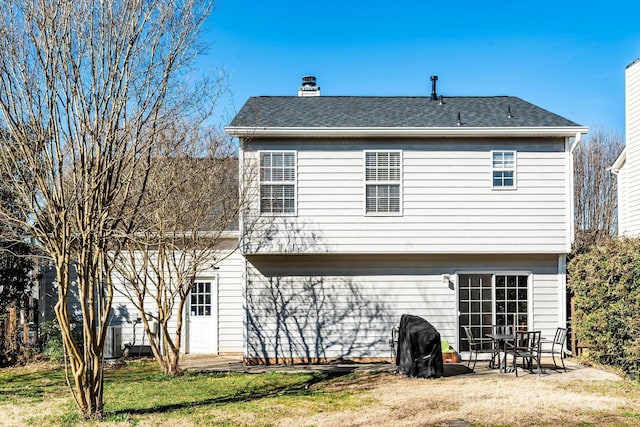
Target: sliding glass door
485,300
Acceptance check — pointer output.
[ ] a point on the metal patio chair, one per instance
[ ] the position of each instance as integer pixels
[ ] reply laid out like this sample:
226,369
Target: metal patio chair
476,346
557,347
527,347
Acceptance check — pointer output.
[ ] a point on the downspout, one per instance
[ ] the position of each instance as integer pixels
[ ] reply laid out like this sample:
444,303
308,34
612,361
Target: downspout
241,243
576,142
571,196
562,258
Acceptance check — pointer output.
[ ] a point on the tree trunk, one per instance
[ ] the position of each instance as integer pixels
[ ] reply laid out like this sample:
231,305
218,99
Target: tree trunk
84,358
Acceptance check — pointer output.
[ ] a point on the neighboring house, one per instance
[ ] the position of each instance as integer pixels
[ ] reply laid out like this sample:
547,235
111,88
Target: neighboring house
456,209
627,165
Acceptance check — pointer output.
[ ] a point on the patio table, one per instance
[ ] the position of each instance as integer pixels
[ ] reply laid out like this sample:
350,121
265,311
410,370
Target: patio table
502,339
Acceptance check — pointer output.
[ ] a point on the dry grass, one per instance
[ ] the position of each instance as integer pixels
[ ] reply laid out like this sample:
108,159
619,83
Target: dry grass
486,401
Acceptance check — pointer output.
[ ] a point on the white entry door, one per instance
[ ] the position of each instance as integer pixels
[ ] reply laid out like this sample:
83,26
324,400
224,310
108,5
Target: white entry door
203,317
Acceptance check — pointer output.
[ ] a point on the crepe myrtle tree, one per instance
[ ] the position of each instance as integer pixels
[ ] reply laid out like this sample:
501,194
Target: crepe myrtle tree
191,202
86,88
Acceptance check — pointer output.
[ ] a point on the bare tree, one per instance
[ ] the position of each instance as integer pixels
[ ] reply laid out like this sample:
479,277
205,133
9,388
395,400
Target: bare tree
191,201
595,187
86,88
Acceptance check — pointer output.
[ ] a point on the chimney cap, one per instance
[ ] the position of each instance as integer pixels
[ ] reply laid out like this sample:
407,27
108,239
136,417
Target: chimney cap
309,87
308,81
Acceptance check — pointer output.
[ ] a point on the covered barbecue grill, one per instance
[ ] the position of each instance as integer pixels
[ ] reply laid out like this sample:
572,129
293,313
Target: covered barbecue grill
419,352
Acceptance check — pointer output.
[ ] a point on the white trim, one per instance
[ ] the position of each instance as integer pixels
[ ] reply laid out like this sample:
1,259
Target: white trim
569,192
562,291
295,183
577,140
493,273
245,309
619,163
384,251
251,131
570,148
515,170
214,278
242,195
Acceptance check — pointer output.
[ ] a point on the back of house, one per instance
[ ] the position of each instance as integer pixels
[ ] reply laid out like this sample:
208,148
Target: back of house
456,209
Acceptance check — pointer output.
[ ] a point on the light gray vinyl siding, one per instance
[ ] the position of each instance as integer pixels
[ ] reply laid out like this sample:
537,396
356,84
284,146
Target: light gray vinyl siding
124,315
48,294
230,297
630,216
312,307
448,204
229,273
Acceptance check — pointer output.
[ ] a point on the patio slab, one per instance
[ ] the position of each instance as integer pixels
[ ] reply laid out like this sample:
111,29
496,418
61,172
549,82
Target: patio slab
212,363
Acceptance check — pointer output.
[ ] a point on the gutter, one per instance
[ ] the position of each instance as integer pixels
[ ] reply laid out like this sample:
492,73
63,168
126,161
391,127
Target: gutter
354,132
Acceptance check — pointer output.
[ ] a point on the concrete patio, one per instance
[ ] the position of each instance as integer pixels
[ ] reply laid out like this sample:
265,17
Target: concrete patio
212,363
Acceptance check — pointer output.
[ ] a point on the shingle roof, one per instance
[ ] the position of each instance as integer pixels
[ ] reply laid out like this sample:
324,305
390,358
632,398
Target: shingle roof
396,111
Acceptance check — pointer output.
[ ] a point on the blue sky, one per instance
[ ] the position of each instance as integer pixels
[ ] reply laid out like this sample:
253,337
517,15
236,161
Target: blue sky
566,56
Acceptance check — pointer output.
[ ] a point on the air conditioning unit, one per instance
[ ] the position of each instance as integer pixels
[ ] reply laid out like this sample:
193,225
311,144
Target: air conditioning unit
113,344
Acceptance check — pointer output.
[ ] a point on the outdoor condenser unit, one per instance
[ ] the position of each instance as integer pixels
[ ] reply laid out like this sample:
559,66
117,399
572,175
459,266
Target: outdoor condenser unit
113,344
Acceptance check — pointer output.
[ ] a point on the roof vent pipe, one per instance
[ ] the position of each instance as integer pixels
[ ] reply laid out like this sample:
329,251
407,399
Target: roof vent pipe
434,95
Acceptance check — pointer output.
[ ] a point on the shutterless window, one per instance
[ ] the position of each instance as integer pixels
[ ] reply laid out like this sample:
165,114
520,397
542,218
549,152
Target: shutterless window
382,177
278,182
504,169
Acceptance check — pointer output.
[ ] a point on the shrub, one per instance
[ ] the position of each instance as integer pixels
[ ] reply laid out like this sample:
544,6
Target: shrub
51,339
605,280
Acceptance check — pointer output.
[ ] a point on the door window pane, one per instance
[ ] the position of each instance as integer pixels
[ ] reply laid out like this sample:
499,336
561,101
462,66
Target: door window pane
200,300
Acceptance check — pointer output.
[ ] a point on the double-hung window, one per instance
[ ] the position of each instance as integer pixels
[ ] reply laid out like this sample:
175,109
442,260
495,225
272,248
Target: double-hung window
278,182
503,169
383,182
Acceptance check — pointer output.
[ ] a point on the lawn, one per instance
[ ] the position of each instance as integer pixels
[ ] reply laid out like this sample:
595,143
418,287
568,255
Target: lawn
136,394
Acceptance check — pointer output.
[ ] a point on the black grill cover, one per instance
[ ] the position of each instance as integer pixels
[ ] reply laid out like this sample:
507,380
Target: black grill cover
419,352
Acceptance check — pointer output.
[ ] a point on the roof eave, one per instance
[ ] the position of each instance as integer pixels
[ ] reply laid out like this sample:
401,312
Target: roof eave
353,132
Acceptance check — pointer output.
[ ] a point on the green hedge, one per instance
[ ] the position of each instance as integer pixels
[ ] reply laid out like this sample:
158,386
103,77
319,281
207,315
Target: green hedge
605,280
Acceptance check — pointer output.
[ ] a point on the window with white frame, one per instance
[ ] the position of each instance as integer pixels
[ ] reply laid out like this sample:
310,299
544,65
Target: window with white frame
200,303
503,169
278,182
382,181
